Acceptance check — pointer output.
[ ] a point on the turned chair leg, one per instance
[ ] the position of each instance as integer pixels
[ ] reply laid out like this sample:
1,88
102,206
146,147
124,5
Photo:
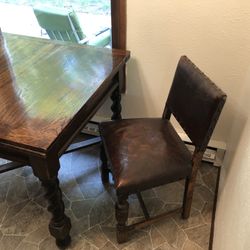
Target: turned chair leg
121,213
104,167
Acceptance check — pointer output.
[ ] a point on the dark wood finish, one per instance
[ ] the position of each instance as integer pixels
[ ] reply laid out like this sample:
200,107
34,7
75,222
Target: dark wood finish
116,105
48,92
119,32
189,184
119,23
142,204
145,153
149,221
121,214
60,224
49,88
10,166
104,168
83,144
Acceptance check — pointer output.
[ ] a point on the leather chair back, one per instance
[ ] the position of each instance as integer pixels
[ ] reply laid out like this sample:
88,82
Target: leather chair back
195,101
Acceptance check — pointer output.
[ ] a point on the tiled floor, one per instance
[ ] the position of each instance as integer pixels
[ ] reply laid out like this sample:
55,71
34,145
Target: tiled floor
24,219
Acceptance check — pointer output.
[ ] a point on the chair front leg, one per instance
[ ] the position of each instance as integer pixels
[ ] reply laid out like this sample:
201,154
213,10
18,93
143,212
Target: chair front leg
121,213
104,167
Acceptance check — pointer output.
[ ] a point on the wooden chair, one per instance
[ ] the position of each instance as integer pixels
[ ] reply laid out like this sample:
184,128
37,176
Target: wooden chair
63,25
147,152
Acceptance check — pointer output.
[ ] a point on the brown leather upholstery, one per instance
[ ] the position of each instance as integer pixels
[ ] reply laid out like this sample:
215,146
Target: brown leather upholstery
195,101
144,153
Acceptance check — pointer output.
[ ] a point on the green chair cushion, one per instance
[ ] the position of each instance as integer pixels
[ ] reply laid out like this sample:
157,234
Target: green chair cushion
76,24
101,40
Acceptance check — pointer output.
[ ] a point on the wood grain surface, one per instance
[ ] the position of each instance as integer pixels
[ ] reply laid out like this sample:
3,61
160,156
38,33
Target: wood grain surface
44,84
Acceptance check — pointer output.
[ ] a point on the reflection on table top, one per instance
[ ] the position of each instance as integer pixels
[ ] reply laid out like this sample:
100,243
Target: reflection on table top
44,83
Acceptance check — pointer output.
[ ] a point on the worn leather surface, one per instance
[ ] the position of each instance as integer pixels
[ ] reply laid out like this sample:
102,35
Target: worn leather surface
144,153
195,101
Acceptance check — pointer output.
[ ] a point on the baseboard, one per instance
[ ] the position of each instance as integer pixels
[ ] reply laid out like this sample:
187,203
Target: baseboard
91,128
214,153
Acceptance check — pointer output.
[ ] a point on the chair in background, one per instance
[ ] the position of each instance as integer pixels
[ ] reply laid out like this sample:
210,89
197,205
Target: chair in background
61,24
147,152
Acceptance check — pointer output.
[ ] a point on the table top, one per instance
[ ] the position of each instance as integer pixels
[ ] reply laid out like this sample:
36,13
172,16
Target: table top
44,84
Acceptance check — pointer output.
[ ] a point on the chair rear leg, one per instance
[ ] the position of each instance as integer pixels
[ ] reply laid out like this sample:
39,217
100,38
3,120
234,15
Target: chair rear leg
190,183
104,167
121,213
143,207
187,199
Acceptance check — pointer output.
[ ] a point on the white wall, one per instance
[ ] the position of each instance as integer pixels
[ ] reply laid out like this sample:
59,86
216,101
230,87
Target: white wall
232,224
215,34
232,227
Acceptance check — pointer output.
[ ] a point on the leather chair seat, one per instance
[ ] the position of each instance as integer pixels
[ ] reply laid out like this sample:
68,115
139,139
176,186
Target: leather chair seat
144,153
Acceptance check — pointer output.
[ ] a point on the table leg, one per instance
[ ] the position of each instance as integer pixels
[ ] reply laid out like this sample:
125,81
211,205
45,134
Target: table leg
60,224
116,106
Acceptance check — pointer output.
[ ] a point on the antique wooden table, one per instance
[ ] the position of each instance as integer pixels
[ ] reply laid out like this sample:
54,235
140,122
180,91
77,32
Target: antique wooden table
48,92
